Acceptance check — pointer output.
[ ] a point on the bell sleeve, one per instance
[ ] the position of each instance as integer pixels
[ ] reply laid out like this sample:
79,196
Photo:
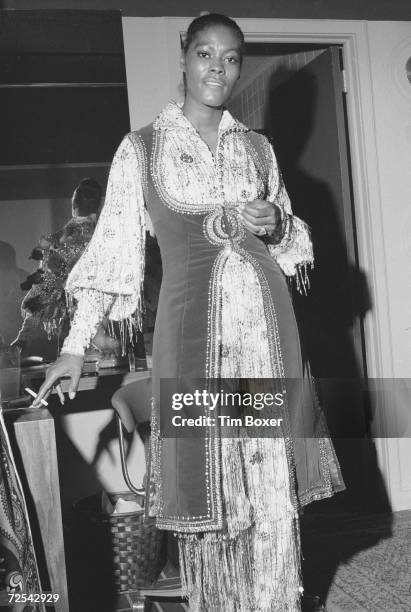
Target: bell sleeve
108,278
291,245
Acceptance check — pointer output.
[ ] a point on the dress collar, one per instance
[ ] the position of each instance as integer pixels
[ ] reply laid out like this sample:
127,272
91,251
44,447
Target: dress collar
172,117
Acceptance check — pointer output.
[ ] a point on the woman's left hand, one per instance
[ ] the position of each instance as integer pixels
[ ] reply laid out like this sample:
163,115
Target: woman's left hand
260,217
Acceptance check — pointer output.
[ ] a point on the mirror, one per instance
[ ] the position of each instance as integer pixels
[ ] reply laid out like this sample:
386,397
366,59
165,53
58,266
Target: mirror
63,113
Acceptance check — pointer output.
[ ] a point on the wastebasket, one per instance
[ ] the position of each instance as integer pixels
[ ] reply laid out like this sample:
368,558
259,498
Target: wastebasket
137,548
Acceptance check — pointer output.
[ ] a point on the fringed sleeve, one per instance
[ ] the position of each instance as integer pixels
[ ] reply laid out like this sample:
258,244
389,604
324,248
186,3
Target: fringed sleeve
108,278
291,246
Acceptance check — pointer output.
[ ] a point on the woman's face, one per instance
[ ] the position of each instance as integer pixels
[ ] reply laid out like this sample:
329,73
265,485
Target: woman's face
212,66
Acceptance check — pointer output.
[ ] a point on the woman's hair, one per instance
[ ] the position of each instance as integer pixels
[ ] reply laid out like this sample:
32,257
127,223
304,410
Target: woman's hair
206,21
87,197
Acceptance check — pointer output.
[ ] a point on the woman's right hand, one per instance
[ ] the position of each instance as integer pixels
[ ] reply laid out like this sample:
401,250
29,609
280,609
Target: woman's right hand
67,365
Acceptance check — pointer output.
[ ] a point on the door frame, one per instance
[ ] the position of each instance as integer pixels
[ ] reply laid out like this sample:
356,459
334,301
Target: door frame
353,37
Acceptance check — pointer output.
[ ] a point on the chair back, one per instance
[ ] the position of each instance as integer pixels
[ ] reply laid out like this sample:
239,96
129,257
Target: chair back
132,403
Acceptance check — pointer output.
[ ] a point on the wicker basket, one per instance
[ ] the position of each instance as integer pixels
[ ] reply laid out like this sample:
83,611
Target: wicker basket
137,548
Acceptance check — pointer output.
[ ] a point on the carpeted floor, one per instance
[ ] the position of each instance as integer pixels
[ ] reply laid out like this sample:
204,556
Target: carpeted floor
354,563
361,563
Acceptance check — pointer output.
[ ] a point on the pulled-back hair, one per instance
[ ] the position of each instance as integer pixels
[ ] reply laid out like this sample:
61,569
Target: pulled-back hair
199,24
87,197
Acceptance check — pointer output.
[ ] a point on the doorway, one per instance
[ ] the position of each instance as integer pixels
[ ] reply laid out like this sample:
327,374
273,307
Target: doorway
295,94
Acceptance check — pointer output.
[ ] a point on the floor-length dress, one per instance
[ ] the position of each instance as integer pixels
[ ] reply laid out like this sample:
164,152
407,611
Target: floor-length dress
224,311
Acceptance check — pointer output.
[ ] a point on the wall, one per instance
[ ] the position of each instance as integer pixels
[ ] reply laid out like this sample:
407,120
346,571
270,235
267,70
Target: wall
89,461
292,9
390,48
147,81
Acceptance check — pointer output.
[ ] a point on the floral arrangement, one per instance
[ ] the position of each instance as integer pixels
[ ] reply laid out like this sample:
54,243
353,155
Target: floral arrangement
45,303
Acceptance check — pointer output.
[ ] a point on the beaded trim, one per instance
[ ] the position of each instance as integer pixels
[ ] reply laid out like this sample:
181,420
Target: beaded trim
215,340
223,226
261,162
214,337
142,157
185,187
172,117
214,518
277,366
187,182
195,523
154,480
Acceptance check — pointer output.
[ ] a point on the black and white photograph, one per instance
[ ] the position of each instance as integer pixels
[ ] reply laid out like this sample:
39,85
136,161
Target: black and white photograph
205,306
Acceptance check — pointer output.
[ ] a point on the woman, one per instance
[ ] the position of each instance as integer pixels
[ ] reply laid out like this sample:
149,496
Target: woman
227,237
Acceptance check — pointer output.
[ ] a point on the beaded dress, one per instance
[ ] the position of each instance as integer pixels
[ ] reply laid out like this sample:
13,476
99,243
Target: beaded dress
224,311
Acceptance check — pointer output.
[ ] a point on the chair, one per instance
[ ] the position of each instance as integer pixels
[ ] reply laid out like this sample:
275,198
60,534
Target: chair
132,407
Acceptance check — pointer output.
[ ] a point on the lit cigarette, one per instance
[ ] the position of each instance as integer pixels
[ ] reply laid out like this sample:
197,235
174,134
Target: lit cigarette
33,394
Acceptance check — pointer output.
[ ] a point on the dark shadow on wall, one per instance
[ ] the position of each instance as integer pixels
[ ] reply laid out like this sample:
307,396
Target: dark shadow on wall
338,298
339,294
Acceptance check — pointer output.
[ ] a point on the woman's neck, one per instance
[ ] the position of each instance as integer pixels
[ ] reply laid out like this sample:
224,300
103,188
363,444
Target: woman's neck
204,118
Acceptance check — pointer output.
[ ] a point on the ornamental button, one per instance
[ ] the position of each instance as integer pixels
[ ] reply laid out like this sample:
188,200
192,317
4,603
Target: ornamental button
186,158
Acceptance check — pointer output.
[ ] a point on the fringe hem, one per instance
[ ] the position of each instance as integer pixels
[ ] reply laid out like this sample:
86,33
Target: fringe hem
257,571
